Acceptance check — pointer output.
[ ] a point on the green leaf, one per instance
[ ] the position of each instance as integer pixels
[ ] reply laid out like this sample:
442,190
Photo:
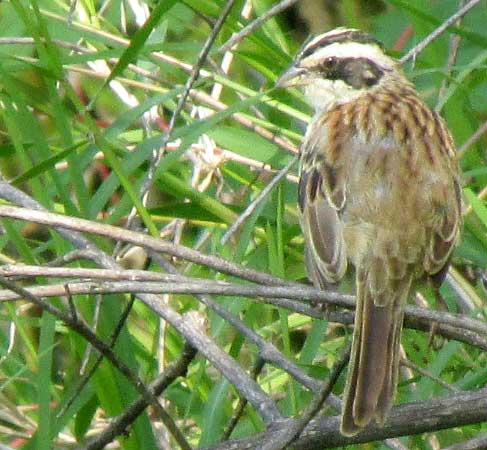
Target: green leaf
46,165
174,185
45,355
138,40
245,143
109,151
85,416
477,205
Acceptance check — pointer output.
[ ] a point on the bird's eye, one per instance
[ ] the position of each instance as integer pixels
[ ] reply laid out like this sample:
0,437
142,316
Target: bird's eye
327,64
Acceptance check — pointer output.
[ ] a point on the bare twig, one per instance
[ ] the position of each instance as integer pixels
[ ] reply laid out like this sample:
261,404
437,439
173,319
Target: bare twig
26,271
472,139
82,329
242,403
178,283
427,374
72,308
268,352
476,443
87,376
119,424
236,38
154,164
215,355
140,239
453,326
216,263
94,325
452,57
290,434
413,418
416,50
72,9
71,256
258,200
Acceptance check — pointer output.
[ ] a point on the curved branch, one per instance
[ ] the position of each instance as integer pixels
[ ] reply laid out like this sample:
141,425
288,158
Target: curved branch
412,418
230,369
451,325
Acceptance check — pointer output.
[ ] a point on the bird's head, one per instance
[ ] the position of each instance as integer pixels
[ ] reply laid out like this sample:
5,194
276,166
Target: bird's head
339,66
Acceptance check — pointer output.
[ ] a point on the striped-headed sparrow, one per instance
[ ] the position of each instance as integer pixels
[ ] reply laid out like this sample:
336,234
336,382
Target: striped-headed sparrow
379,189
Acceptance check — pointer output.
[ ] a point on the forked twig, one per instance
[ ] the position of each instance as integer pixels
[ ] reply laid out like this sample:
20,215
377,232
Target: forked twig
251,27
291,433
119,424
413,53
195,72
83,330
258,200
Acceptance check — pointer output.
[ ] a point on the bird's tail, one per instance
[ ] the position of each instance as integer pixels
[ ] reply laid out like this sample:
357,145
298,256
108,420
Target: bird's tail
374,362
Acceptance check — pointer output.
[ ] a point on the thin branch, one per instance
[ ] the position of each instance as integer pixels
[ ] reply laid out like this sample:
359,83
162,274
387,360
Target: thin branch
476,443
432,415
186,285
454,326
229,368
83,330
264,193
452,57
180,284
428,374
212,352
219,264
72,9
242,403
292,433
472,139
268,352
416,50
87,377
153,302
119,424
154,164
140,239
15,195
27,271
251,27
71,256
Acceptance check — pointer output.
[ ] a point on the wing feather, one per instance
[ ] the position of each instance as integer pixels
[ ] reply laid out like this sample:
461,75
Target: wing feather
444,233
321,198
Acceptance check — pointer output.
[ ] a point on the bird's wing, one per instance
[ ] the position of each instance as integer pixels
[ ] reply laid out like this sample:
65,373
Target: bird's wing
321,198
445,227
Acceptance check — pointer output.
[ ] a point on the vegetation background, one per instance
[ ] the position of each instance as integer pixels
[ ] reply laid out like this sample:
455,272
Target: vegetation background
88,91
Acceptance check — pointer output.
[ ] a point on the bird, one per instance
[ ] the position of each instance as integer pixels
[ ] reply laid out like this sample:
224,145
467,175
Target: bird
379,194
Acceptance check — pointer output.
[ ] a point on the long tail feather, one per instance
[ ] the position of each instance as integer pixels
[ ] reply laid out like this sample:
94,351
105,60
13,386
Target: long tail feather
374,361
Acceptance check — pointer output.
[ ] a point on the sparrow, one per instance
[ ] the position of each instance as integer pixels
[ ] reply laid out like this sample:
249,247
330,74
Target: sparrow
378,191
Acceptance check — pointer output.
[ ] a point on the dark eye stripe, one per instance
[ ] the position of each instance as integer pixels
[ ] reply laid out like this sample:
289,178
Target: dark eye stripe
356,72
345,36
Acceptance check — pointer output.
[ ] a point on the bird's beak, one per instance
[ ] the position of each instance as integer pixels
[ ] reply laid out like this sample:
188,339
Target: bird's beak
291,77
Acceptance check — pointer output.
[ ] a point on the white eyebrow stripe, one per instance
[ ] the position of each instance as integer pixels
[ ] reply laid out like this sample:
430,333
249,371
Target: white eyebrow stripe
330,34
350,50
339,35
